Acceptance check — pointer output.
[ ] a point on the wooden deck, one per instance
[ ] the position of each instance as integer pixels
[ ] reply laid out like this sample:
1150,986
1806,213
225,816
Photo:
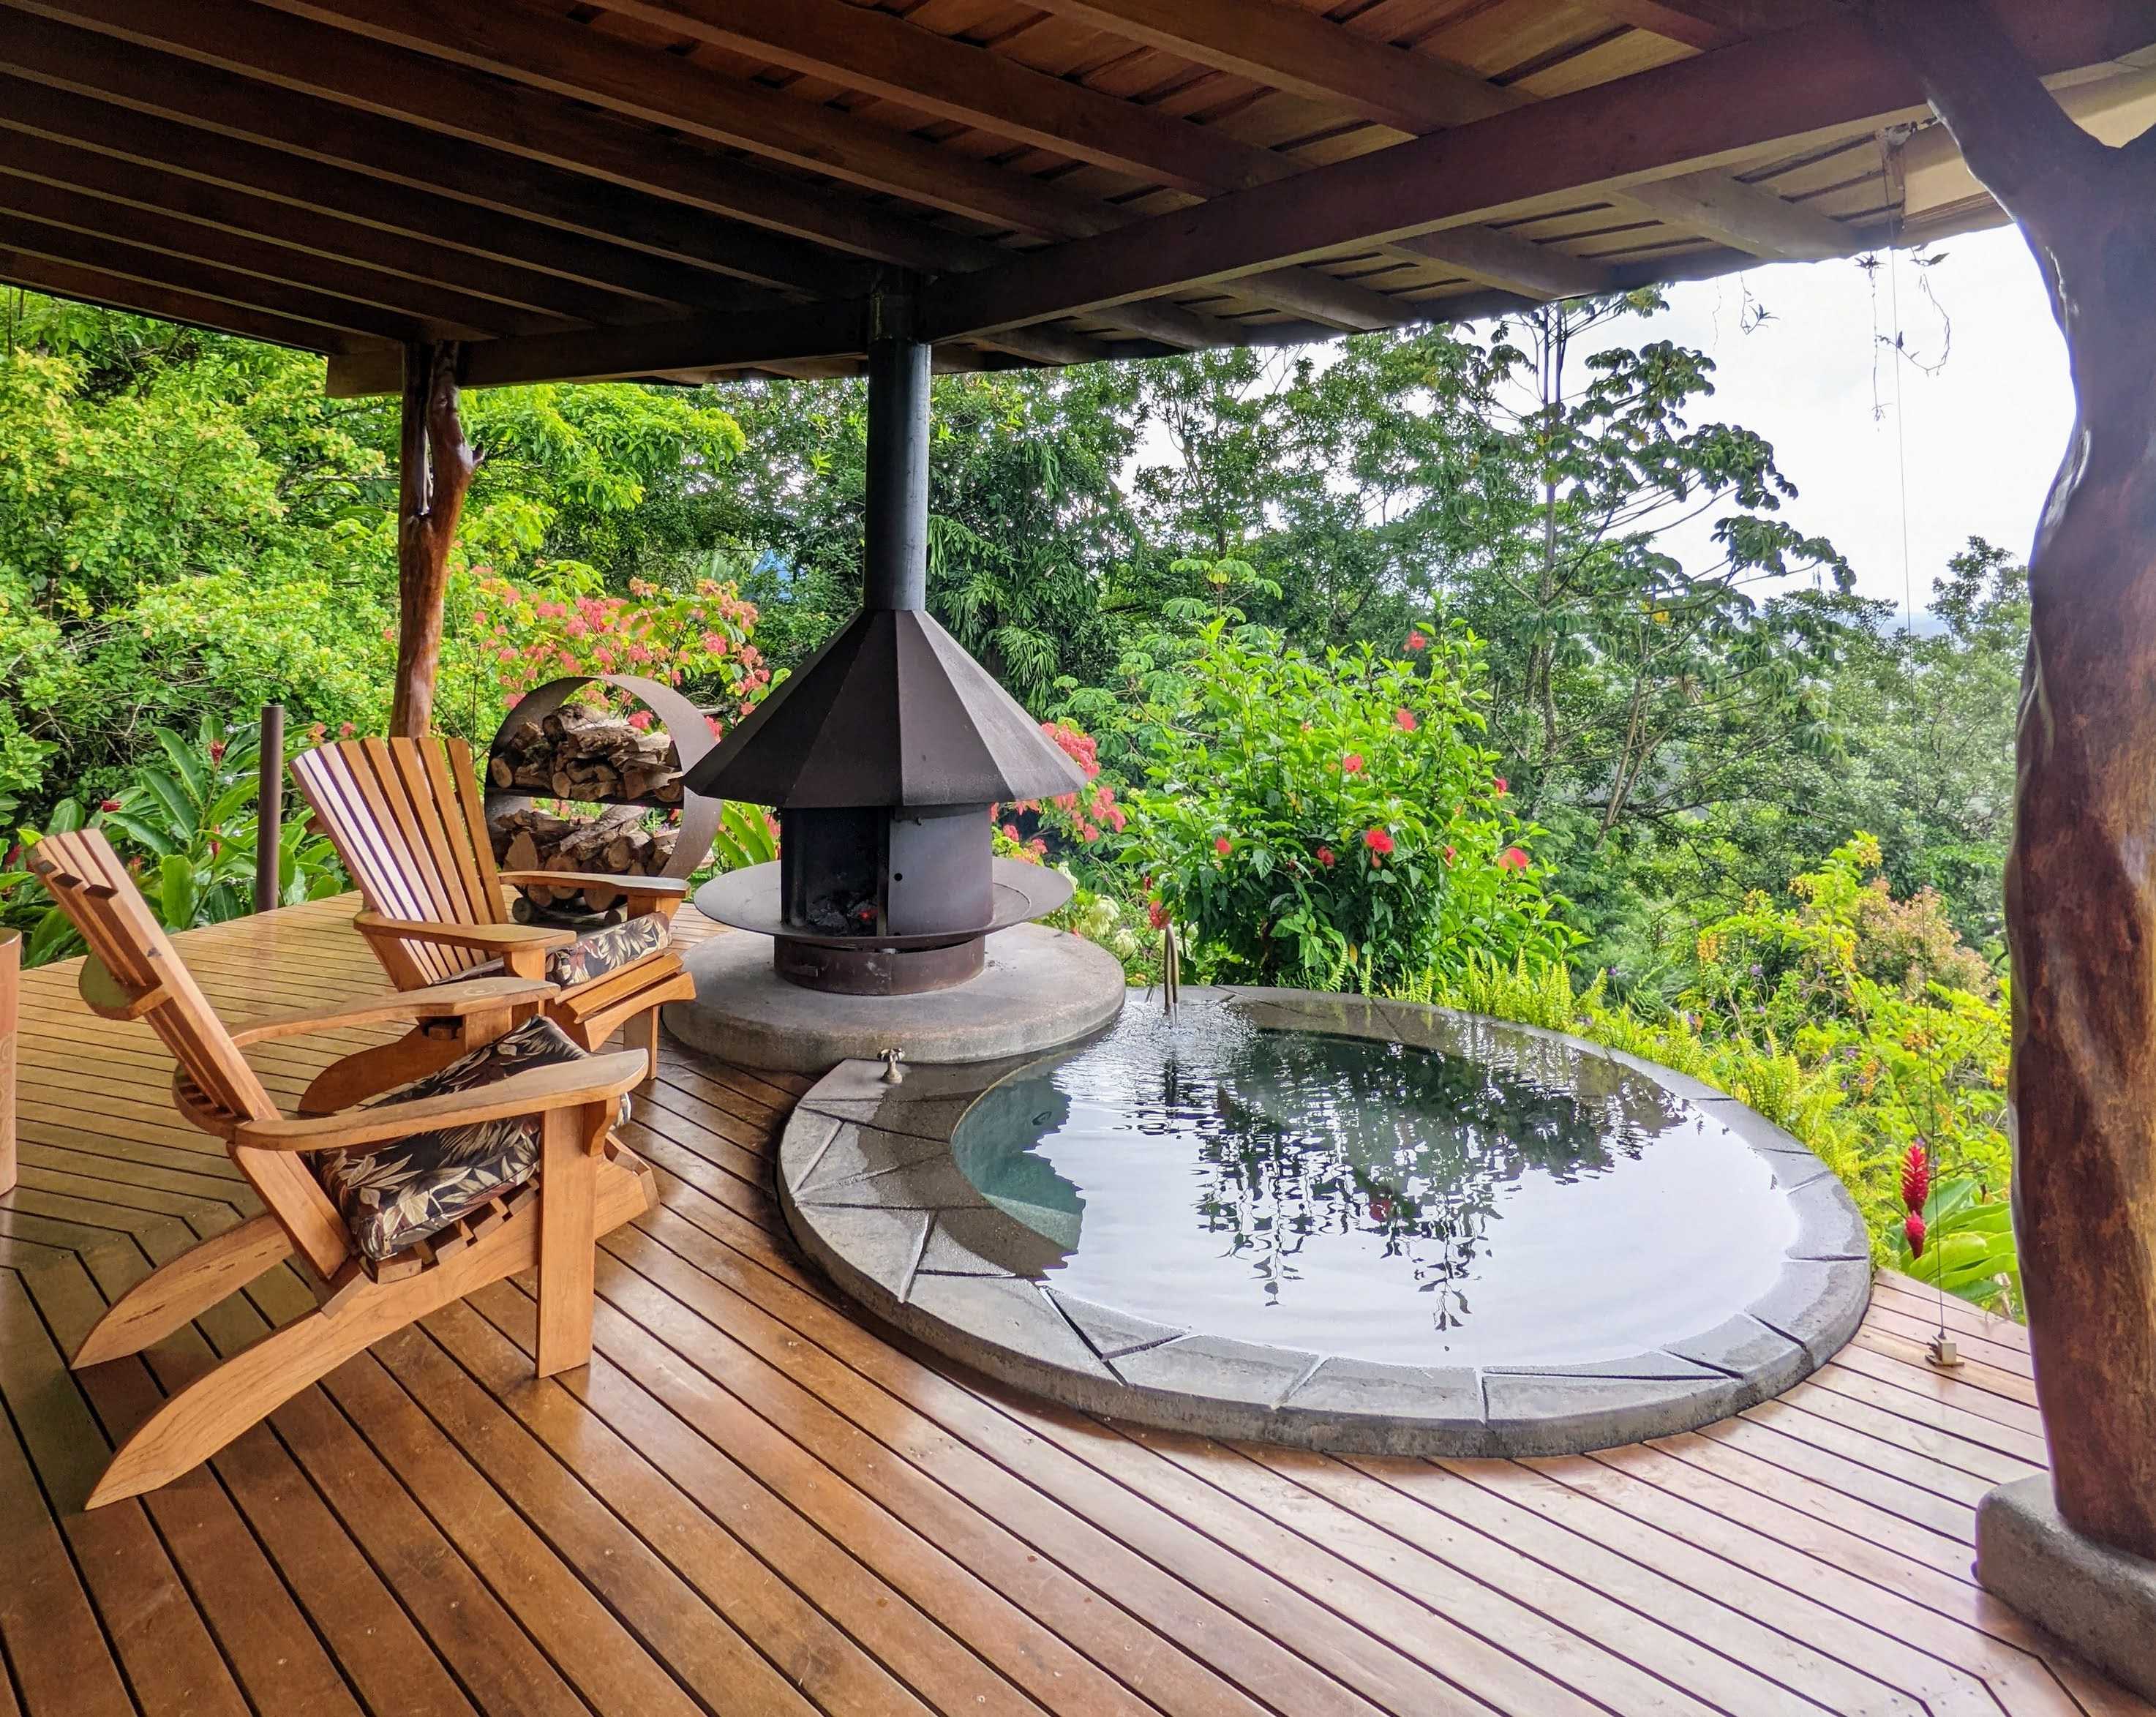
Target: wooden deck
752,1503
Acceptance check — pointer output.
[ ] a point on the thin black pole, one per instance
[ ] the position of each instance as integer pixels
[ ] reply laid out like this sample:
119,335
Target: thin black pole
895,570
269,807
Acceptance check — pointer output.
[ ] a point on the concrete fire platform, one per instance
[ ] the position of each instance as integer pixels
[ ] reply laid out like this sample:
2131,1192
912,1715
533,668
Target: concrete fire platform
1038,988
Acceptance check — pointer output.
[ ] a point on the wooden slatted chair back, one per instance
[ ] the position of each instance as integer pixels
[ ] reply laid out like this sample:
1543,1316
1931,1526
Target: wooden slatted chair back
134,972
409,820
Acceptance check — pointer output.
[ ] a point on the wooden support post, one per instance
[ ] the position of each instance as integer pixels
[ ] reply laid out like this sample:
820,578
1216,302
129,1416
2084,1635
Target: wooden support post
269,808
2081,877
434,467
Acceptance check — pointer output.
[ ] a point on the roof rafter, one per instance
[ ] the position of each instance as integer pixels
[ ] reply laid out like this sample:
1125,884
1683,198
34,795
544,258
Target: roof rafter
351,70
1826,80
168,303
432,169
1415,93
902,61
120,259
162,212
112,152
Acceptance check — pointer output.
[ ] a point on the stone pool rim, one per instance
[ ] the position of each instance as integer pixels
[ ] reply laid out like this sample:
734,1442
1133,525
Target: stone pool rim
870,1190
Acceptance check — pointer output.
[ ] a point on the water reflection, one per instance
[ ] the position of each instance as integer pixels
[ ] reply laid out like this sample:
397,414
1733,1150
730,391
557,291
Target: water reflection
1517,1204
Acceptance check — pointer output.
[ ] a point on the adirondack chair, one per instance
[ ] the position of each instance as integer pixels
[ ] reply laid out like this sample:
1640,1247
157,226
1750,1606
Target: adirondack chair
501,1162
407,818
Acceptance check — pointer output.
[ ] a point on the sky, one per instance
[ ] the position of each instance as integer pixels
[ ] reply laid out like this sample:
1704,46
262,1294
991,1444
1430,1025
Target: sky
1981,433
1978,410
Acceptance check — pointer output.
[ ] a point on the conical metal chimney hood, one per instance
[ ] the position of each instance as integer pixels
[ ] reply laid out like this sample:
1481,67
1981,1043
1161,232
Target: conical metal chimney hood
883,753
892,711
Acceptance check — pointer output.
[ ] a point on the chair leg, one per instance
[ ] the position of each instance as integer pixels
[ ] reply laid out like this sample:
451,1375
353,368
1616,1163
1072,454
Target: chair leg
173,1295
651,1047
254,1383
569,1199
247,1388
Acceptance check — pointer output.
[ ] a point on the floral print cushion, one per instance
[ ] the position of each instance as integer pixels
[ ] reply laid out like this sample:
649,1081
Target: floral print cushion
412,1188
609,950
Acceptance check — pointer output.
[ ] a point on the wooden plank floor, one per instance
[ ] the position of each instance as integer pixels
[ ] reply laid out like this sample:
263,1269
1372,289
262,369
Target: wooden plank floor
751,1502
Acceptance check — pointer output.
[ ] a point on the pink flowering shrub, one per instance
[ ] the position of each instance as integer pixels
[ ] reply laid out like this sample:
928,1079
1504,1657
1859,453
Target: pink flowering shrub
1082,818
697,639
1334,821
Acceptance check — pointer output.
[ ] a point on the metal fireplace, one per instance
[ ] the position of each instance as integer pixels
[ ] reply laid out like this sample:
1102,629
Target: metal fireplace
882,755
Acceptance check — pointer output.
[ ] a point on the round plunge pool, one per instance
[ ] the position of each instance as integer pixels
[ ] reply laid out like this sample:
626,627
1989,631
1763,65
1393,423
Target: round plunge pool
1338,1223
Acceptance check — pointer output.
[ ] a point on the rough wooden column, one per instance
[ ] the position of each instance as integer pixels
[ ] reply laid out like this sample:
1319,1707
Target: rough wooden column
434,466
2080,878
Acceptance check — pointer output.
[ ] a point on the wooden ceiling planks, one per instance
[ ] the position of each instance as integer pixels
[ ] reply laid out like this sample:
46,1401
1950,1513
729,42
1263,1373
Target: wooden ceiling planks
578,183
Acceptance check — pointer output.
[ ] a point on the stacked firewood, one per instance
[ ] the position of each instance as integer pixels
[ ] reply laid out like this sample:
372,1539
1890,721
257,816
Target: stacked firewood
613,843
576,756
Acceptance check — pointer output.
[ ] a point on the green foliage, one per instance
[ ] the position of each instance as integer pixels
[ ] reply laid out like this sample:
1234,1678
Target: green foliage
1784,1016
748,834
1968,1245
1310,817
188,828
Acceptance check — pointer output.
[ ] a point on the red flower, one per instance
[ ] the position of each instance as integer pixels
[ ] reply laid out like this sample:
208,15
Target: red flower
1916,1179
217,750
1326,856
1404,720
1377,840
1498,782
1157,913
1011,831
108,804
1353,763
1221,844
1913,1230
1448,855
1416,641
1511,858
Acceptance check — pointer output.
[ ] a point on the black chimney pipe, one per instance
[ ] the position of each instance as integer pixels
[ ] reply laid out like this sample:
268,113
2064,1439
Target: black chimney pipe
894,568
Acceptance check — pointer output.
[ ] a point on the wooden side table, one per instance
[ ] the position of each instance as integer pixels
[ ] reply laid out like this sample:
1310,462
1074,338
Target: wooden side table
11,981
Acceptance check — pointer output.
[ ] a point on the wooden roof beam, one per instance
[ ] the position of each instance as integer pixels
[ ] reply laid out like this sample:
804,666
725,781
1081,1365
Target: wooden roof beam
64,279
567,58
417,89
1720,207
1824,81
573,60
922,69
1292,48
69,140
594,232
762,339
97,194
113,258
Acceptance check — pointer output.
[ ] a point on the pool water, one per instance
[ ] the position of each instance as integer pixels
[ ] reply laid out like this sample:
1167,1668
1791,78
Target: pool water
1518,1202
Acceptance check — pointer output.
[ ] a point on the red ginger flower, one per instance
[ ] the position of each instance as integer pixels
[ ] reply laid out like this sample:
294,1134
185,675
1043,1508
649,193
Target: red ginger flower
1913,1231
1377,840
1498,782
1916,1179
1157,913
108,804
1327,856
217,750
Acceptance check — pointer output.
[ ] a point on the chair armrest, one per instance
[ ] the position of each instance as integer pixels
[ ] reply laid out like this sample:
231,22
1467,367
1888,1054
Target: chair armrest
594,879
565,1084
450,1001
492,938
